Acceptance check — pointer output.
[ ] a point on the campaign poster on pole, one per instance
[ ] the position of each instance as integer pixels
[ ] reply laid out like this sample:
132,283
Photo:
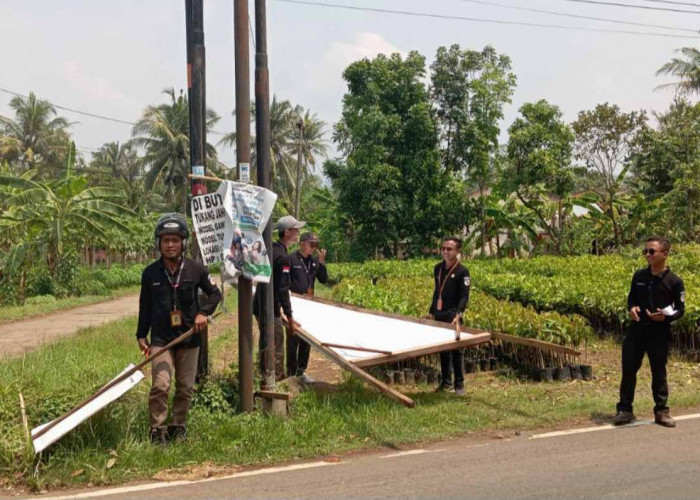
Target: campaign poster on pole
248,208
209,218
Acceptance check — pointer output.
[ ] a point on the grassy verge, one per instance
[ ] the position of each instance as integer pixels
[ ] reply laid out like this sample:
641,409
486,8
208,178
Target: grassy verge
26,311
112,447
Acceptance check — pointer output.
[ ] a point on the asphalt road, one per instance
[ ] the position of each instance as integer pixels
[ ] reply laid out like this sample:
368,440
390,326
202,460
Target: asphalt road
645,461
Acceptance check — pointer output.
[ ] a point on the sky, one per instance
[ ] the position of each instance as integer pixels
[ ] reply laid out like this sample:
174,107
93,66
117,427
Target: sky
113,58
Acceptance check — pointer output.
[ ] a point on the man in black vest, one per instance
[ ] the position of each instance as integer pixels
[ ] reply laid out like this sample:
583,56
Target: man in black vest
305,270
450,299
169,306
655,300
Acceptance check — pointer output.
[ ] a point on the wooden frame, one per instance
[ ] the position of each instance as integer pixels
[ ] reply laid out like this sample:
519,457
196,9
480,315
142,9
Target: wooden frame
351,367
479,338
539,344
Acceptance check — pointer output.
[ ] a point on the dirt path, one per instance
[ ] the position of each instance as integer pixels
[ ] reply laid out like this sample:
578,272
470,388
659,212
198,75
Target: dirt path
18,337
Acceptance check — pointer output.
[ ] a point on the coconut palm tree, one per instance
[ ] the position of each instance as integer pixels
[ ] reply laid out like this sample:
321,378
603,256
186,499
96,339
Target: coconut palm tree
310,144
284,147
120,165
686,68
35,135
163,132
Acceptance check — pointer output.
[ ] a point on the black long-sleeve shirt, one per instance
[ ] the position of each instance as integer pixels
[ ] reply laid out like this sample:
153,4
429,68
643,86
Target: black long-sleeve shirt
455,293
158,298
305,271
651,292
281,269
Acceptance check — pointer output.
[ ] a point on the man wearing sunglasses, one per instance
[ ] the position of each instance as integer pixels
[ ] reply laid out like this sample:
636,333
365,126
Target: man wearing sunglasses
450,298
305,270
655,300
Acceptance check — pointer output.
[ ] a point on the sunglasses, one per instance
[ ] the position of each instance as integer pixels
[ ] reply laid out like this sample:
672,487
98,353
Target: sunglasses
449,249
648,251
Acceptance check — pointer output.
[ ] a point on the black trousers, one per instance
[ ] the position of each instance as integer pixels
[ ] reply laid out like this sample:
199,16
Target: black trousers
638,341
451,362
297,355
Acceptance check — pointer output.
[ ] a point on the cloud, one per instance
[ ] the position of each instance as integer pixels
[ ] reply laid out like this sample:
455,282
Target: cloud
91,87
327,73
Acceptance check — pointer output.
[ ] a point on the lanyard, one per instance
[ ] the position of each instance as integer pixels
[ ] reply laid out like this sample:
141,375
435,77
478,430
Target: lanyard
443,281
306,271
176,284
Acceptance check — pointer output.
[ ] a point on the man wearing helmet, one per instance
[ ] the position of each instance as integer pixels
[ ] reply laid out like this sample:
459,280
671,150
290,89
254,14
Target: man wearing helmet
169,306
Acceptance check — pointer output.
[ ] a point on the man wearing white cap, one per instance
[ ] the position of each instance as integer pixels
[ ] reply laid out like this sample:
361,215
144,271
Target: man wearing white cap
288,232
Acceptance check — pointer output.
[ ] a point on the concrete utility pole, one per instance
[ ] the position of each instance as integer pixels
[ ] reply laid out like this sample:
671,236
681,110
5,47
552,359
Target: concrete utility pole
245,286
262,137
196,97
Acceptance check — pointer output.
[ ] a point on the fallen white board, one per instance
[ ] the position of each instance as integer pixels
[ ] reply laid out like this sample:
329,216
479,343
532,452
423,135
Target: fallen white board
72,421
332,324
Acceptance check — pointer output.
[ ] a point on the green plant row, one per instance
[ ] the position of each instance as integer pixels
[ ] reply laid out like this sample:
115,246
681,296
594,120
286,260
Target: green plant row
595,287
411,296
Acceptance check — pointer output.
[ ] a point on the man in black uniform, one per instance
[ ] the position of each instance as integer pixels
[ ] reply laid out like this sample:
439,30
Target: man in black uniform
450,299
288,231
655,300
169,306
305,270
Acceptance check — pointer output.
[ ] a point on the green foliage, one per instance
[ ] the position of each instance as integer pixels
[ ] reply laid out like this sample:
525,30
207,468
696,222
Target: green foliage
163,131
595,287
40,300
390,184
606,140
469,89
218,393
539,156
410,293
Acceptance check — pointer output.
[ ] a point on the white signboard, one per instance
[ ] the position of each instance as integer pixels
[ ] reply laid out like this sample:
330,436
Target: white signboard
209,219
72,421
248,209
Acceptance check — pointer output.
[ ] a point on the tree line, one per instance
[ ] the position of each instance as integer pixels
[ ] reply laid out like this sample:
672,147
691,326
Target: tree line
419,156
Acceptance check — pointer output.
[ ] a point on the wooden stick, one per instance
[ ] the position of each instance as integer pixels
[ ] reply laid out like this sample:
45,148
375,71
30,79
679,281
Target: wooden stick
540,344
114,382
343,363
205,177
274,395
353,348
25,424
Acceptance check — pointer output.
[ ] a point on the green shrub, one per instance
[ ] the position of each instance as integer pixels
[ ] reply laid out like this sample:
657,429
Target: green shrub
39,300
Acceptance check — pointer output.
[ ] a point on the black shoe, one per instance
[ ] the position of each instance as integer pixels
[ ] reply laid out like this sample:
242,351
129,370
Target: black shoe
623,417
177,433
443,388
159,435
664,419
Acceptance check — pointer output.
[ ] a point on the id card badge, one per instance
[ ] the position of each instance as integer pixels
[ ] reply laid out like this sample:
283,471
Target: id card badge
310,292
175,319
439,305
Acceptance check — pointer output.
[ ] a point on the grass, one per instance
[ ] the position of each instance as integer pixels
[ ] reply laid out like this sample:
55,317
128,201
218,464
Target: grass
55,377
26,311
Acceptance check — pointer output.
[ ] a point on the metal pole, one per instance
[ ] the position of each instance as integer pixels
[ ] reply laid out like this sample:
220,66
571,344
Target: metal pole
262,131
245,286
196,85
